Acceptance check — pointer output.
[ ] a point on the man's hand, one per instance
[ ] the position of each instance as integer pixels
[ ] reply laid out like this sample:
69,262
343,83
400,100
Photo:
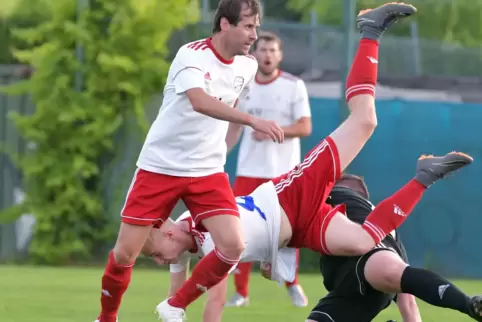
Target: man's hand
260,136
270,128
265,268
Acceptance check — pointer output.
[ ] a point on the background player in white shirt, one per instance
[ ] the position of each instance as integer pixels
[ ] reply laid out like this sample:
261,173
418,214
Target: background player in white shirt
184,155
280,97
299,197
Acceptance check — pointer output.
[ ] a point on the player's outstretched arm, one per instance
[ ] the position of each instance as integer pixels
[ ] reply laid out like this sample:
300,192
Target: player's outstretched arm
234,133
408,308
177,280
179,272
213,310
207,105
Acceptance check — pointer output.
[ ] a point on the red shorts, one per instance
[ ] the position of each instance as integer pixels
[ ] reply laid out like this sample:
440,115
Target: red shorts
152,197
243,186
302,193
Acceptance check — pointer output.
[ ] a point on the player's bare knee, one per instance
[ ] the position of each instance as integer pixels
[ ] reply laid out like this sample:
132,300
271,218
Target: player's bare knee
227,234
362,108
384,270
366,120
232,247
124,255
130,242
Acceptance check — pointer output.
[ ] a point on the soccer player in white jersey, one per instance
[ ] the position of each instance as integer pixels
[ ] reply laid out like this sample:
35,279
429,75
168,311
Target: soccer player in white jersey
298,198
280,97
184,154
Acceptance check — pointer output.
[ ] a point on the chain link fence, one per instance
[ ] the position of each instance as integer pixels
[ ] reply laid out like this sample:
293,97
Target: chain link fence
321,48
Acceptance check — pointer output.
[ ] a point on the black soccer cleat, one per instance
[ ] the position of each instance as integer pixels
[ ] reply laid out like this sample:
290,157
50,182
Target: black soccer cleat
475,308
373,22
431,169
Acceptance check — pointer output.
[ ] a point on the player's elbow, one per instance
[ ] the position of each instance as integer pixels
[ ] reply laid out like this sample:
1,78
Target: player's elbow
197,98
305,127
306,131
197,105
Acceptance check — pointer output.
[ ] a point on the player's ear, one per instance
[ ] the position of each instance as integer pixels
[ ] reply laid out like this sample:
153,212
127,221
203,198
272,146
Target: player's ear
168,234
224,24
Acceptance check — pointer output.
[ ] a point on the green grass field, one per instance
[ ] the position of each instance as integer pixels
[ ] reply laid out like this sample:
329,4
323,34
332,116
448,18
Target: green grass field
42,294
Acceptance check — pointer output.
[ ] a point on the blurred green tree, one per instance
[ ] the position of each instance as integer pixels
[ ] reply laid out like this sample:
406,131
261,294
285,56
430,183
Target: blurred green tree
123,66
456,21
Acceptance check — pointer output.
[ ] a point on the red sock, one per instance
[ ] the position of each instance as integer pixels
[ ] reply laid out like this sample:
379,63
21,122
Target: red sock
392,212
115,280
210,270
363,74
241,278
295,281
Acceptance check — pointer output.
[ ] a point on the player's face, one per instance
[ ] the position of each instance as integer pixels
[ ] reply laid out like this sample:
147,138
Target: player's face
165,247
244,34
269,55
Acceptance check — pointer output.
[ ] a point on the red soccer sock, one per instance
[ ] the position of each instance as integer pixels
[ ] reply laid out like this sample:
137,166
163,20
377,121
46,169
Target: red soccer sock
363,74
210,270
295,281
241,278
115,281
392,212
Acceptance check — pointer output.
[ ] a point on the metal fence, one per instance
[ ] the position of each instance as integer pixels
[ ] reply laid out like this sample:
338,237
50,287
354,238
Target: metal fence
11,142
317,48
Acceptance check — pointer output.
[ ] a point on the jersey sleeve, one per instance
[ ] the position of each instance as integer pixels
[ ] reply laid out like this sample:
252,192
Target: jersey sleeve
301,103
187,70
208,244
182,265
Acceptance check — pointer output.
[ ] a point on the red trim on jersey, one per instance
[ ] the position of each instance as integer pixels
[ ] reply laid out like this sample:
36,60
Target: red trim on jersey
193,233
216,53
196,44
260,82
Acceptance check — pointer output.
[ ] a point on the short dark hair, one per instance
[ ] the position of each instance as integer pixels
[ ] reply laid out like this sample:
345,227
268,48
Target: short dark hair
231,10
268,37
348,177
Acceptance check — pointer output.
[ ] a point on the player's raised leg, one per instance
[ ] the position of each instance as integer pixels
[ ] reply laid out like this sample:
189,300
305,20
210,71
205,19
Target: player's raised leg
303,191
387,272
351,136
343,237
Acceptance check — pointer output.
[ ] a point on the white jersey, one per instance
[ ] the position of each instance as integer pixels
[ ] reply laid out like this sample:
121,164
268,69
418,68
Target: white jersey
284,100
182,142
260,219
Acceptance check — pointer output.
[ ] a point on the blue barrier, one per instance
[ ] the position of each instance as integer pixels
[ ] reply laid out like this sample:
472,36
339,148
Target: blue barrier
443,228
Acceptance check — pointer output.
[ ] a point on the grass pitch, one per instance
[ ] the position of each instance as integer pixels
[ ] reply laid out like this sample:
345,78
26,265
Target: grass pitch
44,294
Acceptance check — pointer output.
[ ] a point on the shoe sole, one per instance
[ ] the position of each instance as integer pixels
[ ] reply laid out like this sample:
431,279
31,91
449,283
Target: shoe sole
465,156
406,5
